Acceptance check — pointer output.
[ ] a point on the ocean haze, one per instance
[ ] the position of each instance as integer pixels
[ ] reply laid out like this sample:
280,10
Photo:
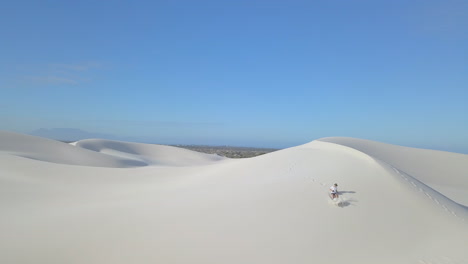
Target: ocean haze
75,134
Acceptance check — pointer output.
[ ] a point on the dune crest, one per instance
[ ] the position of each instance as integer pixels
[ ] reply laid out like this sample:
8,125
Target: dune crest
150,154
443,171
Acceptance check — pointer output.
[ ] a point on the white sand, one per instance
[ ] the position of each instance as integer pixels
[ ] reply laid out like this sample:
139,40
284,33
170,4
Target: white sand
100,201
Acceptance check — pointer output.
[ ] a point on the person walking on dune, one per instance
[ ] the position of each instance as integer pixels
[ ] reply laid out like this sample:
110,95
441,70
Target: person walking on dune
334,191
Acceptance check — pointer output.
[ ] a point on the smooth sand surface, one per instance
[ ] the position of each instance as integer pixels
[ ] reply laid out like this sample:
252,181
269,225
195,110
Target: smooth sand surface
101,201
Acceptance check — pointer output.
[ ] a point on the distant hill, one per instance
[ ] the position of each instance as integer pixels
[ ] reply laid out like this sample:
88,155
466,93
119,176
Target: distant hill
68,134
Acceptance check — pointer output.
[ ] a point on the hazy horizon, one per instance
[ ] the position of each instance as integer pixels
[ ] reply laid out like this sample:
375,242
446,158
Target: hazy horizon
74,134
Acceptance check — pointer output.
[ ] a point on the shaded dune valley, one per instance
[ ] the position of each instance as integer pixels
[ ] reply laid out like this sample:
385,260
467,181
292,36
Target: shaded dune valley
99,201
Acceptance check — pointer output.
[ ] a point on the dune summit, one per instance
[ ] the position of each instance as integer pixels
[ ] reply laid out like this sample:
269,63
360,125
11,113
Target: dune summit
101,201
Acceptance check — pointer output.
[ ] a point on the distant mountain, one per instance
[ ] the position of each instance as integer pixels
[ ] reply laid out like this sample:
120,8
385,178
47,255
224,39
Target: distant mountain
68,134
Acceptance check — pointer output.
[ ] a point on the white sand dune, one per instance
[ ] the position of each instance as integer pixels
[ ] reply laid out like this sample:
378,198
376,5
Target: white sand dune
115,202
100,153
443,171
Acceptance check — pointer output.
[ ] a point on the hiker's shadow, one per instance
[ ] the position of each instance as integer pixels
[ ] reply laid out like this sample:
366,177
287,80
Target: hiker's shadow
340,192
346,201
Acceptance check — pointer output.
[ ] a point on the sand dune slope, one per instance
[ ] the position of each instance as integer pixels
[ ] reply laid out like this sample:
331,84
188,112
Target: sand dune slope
99,153
270,209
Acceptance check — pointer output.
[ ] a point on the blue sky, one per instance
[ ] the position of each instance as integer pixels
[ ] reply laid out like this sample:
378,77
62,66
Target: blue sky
250,73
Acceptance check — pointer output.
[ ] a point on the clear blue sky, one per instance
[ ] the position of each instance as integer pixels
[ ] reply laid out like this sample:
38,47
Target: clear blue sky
251,73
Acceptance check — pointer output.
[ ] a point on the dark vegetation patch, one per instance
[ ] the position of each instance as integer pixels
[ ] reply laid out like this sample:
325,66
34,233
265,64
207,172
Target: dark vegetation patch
228,151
